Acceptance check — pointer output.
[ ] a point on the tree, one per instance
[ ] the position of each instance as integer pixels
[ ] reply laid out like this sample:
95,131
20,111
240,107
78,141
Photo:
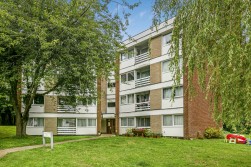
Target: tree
216,46
62,45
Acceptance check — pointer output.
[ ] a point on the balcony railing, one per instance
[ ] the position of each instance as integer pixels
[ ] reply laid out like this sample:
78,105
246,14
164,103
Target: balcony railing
66,130
143,106
142,57
142,81
65,108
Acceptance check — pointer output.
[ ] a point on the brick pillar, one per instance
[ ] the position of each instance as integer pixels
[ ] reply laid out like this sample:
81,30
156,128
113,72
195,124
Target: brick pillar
50,125
99,118
155,73
156,123
155,47
156,99
50,103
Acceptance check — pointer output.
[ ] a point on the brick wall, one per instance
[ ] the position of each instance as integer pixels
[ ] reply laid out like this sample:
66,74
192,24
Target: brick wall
50,125
156,123
103,95
50,104
155,73
156,99
197,116
155,47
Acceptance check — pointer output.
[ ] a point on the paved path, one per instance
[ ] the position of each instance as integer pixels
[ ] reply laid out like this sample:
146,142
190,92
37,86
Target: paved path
11,150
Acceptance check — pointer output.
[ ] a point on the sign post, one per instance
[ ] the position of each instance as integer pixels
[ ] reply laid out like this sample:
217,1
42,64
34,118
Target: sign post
49,135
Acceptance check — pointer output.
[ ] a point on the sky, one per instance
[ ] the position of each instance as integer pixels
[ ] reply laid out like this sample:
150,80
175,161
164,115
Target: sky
140,18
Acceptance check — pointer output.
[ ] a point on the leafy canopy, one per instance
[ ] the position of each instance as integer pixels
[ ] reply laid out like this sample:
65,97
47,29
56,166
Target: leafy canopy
215,45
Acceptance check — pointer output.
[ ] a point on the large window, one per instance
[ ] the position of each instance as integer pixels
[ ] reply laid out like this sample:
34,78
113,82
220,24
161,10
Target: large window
167,92
143,122
167,38
111,85
87,101
172,120
111,104
142,50
66,122
166,66
127,99
35,122
143,74
38,99
144,97
127,55
127,77
127,121
84,122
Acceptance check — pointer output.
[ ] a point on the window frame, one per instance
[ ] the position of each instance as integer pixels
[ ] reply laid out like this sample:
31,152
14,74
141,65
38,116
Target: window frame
173,120
175,94
144,118
125,121
33,122
125,77
165,38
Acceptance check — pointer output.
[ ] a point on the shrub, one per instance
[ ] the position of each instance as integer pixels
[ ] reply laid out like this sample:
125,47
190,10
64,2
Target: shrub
213,133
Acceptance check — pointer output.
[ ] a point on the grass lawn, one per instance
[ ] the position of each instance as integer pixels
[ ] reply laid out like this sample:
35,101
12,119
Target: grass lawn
8,139
135,151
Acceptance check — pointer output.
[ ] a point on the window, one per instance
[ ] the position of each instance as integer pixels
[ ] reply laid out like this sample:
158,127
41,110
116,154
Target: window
87,101
178,119
127,99
130,98
167,39
111,104
82,122
143,122
35,122
143,74
111,85
39,99
172,120
123,99
127,77
143,97
166,66
167,92
66,122
127,55
142,50
127,121
91,122
167,120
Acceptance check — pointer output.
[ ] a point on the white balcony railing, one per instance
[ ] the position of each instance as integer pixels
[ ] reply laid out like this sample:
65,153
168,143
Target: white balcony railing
143,106
66,130
142,57
142,81
65,108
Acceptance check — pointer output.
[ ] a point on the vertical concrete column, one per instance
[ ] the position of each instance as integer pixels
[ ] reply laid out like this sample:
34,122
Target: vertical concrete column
155,73
50,103
156,99
156,123
50,125
156,47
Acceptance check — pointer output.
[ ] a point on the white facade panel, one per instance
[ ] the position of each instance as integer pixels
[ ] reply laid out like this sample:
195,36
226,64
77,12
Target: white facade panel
166,49
127,63
110,91
63,115
152,112
87,109
34,130
166,76
110,109
86,131
36,108
127,108
127,85
167,103
177,131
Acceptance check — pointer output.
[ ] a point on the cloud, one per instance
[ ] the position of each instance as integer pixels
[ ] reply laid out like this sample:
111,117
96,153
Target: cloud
141,14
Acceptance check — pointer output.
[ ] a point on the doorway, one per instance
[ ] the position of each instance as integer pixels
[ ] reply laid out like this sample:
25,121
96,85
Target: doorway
110,125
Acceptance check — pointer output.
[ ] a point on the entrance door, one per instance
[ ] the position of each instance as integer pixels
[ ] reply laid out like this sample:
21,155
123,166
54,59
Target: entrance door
110,124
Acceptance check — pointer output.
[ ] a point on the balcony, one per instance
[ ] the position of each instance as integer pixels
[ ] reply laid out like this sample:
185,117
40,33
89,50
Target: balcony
66,130
65,108
142,81
143,106
142,58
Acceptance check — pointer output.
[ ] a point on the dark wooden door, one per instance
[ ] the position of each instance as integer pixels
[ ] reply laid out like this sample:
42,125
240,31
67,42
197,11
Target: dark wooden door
110,125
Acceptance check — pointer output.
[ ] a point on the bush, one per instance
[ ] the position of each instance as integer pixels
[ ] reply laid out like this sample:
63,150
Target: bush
213,133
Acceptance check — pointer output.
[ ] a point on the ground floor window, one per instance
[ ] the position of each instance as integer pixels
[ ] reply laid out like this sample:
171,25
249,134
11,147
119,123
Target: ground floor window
172,120
35,122
66,122
143,122
86,122
127,121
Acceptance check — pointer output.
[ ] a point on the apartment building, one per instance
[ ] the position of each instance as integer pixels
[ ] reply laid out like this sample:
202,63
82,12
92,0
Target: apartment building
136,96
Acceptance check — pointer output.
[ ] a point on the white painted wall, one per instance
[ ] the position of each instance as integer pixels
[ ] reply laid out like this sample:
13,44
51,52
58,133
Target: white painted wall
110,109
127,63
88,109
110,91
166,76
34,130
127,107
165,49
86,131
37,108
177,131
127,85
178,102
